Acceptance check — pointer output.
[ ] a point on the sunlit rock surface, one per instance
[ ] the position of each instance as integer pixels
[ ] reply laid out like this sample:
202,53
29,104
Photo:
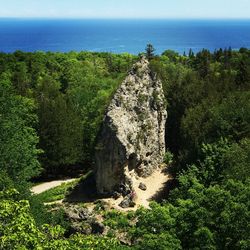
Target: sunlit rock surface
132,137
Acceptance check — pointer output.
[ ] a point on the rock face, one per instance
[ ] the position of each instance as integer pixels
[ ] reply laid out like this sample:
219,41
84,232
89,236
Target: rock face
133,133
83,221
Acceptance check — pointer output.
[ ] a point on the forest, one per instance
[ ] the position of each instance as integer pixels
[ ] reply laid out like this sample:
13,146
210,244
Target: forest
51,109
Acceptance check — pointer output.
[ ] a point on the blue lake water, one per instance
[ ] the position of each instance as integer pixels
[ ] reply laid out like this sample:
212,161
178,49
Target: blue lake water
122,35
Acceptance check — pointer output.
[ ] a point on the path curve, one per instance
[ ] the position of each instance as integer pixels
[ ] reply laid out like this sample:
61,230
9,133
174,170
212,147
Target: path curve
48,185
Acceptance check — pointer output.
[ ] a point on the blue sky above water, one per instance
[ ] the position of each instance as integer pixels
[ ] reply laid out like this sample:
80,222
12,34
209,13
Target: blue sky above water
212,9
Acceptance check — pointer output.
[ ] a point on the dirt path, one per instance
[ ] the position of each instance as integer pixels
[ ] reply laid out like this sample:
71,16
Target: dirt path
48,185
155,184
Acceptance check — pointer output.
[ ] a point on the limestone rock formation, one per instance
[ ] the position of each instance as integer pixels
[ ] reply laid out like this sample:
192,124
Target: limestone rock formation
133,133
83,221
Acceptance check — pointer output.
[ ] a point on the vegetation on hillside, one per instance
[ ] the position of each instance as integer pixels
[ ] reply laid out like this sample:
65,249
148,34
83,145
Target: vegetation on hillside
51,108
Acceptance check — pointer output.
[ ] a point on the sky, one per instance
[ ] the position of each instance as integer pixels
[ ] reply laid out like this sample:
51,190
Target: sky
125,8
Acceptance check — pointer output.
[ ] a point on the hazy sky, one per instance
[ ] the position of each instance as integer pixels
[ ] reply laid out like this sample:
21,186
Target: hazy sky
126,8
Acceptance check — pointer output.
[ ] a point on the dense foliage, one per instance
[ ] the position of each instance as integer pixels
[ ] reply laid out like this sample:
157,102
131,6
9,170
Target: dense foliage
51,108
19,230
206,99
18,139
70,92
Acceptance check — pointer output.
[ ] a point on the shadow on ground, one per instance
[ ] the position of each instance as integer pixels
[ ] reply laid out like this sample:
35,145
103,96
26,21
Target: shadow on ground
84,191
163,194
169,185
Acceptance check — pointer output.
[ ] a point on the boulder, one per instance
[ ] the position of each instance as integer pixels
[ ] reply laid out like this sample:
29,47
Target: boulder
142,186
76,213
82,221
127,202
116,195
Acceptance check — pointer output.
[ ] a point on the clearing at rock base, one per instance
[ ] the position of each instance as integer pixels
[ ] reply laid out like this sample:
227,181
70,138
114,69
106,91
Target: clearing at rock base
154,183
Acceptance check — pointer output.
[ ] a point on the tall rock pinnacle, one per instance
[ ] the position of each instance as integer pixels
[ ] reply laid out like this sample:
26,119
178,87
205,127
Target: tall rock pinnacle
133,133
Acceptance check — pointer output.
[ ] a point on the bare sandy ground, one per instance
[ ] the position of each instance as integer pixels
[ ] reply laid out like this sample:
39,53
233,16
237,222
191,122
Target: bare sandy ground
48,185
155,183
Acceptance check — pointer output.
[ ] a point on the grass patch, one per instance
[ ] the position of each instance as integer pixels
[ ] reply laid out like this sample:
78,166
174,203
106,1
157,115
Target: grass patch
118,220
60,192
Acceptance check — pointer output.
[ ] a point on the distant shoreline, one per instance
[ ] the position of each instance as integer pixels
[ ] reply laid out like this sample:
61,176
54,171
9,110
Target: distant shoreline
124,19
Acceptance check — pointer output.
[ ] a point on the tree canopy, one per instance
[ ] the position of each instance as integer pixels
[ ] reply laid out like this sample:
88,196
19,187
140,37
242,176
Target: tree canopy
51,109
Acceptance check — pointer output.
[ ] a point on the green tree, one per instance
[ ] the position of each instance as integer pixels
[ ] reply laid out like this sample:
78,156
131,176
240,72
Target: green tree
237,161
150,51
18,138
59,126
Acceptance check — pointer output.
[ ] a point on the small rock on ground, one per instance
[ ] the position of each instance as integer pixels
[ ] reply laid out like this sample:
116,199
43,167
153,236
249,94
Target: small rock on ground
142,186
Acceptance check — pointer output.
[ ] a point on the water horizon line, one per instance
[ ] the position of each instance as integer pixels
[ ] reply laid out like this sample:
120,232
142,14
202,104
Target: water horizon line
131,18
